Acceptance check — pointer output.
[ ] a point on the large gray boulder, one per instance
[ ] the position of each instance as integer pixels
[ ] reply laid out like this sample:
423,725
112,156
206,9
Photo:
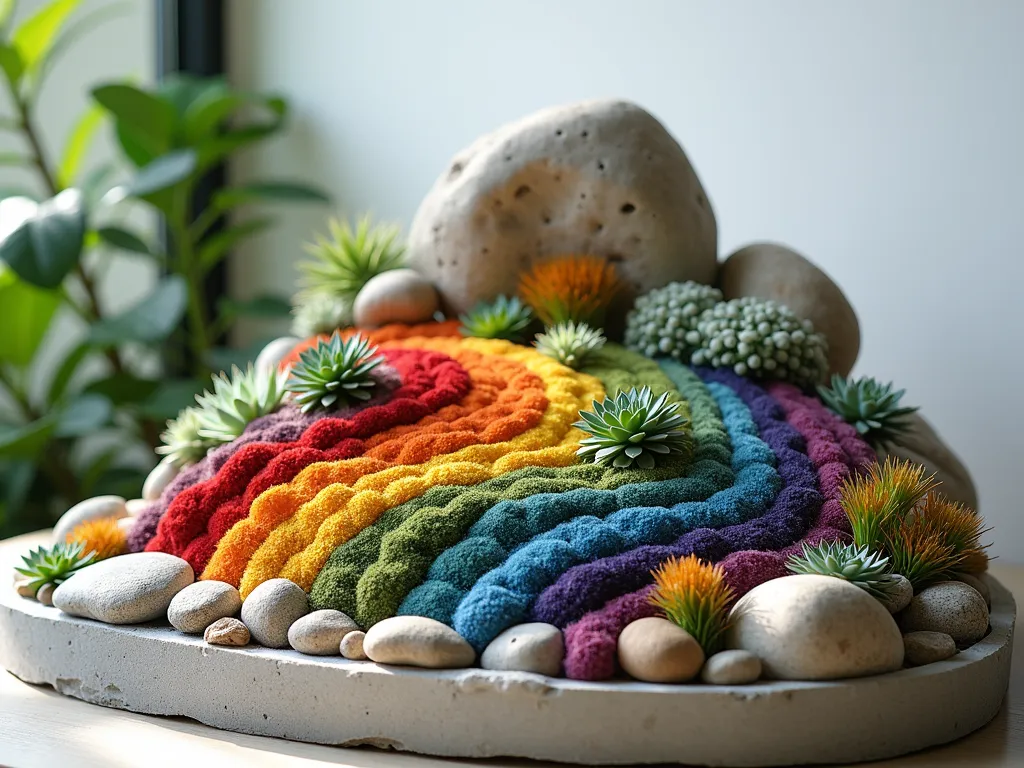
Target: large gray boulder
602,178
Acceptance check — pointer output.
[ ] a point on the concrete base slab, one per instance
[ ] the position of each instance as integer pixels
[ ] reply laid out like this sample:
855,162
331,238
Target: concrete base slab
475,713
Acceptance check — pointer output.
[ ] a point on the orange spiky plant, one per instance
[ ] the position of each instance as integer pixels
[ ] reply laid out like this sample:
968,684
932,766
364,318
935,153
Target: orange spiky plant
875,502
693,594
895,510
104,536
573,289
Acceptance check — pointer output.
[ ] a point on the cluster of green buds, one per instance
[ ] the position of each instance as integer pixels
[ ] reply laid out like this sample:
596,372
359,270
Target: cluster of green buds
661,320
755,337
762,339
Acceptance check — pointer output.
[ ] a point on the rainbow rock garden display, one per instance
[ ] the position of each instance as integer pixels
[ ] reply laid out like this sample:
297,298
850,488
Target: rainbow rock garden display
546,479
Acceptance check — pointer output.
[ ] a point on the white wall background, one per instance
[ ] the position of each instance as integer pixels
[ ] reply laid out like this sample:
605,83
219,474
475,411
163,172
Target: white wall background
883,140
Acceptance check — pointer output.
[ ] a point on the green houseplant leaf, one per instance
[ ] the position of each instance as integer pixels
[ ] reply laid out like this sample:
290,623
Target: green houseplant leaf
84,415
216,247
25,441
124,240
34,39
78,144
42,242
163,172
25,315
149,118
269,191
151,320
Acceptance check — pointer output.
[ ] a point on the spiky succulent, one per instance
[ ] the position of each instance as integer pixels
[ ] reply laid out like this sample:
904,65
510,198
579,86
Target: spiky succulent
182,443
504,318
54,565
870,406
857,565
569,343
316,313
761,339
334,372
238,399
660,320
634,427
343,261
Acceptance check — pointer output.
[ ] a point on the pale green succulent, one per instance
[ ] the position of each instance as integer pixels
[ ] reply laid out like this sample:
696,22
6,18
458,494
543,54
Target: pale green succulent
870,406
238,399
504,318
334,372
569,343
317,313
43,566
660,319
631,428
858,565
342,262
182,443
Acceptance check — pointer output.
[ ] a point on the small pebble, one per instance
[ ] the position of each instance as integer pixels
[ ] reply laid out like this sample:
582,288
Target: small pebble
535,647
227,631
45,594
900,596
161,476
320,633
271,609
126,524
200,604
24,588
417,641
352,646
655,650
731,668
926,647
951,607
275,352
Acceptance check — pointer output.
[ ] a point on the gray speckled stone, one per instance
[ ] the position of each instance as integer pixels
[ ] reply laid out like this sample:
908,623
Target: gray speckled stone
731,668
901,595
951,607
200,604
128,589
978,582
320,633
927,647
271,609
534,647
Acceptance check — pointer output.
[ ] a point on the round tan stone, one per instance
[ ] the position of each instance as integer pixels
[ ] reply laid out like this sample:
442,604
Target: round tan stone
227,631
270,610
320,633
655,650
395,296
200,604
810,627
773,271
351,646
417,641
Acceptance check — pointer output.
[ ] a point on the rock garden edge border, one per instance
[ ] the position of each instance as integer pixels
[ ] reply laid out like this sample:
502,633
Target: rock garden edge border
475,713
